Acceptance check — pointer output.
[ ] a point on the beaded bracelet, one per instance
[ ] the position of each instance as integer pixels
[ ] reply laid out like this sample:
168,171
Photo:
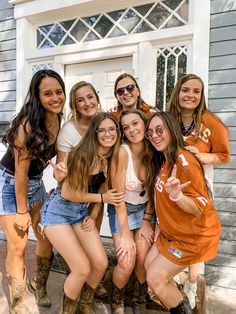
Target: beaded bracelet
178,198
148,213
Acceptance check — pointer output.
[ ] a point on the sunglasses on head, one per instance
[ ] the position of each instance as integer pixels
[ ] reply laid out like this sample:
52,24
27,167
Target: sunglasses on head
130,88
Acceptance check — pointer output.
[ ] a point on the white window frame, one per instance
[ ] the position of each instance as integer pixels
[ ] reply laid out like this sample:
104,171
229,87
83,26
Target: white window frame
29,14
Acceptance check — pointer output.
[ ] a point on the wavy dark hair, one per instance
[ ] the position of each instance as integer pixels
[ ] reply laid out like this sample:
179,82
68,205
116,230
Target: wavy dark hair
140,101
82,157
32,117
158,158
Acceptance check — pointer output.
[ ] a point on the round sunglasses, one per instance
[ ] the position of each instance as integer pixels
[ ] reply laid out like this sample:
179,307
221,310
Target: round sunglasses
158,131
130,88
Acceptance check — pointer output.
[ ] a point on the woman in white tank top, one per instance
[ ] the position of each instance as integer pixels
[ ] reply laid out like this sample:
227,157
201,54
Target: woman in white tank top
130,223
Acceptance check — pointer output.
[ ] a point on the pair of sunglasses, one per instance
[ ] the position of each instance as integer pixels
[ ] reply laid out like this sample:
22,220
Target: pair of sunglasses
158,131
130,88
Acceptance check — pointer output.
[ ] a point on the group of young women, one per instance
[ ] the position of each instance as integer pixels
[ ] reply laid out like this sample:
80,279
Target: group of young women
146,165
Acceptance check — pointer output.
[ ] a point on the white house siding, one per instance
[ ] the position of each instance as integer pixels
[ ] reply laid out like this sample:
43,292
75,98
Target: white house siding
7,64
222,100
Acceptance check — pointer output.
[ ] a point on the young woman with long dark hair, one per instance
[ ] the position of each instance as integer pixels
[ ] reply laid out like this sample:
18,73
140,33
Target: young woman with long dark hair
189,225
204,135
68,208
31,142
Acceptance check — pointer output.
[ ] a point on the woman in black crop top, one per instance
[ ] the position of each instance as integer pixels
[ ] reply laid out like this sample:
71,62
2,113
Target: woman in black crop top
67,210
30,144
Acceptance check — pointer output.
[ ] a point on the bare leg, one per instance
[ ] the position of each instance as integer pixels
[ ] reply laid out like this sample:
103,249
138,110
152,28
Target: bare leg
159,277
142,248
16,244
92,245
123,269
69,247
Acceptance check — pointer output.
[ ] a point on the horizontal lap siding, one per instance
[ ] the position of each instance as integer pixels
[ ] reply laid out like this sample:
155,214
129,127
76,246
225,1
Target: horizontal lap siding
7,64
222,101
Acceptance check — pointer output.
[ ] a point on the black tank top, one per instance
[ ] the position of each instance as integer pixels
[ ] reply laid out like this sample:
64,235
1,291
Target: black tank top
95,181
36,165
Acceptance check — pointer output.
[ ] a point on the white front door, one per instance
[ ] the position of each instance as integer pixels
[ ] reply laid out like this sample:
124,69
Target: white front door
102,75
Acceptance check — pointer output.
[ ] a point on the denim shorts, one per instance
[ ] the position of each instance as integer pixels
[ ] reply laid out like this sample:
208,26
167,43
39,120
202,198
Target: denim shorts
59,211
36,191
135,216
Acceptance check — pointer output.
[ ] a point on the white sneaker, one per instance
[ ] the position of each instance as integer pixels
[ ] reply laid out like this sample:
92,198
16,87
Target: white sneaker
190,289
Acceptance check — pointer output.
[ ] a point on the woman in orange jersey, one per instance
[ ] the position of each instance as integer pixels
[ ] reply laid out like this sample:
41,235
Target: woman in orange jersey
205,136
128,95
189,225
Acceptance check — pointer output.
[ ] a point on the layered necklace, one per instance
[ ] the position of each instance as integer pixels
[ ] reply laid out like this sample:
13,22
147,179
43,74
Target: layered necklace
186,129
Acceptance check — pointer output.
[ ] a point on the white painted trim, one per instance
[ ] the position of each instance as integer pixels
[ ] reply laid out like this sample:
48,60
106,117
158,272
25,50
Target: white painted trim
201,40
92,55
162,36
37,10
146,72
22,66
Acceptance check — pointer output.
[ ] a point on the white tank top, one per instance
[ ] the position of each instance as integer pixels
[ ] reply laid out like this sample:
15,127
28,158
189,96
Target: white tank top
133,186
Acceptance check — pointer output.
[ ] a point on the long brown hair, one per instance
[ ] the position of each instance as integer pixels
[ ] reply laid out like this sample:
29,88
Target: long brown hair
158,158
82,157
146,155
173,105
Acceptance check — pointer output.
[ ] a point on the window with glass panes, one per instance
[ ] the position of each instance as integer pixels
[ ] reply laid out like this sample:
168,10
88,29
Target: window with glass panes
171,61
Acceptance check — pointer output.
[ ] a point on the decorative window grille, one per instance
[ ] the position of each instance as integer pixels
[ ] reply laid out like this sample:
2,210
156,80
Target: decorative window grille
171,64
40,66
131,20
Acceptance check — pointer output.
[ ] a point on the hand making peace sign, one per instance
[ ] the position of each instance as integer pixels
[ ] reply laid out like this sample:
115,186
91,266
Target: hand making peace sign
173,186
60,169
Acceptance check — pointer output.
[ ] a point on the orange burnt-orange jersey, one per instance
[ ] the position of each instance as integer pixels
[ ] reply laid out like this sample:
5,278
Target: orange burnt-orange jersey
213,137
184,238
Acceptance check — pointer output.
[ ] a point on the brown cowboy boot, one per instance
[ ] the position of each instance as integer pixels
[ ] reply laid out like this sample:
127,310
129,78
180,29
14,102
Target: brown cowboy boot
86,299
68,306
4,308
38,283
182,308
139,296
17,290
117,300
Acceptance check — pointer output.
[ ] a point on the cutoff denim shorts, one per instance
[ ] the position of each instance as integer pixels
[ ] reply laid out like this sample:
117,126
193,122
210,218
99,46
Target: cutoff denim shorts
36,192
59,211
135,216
